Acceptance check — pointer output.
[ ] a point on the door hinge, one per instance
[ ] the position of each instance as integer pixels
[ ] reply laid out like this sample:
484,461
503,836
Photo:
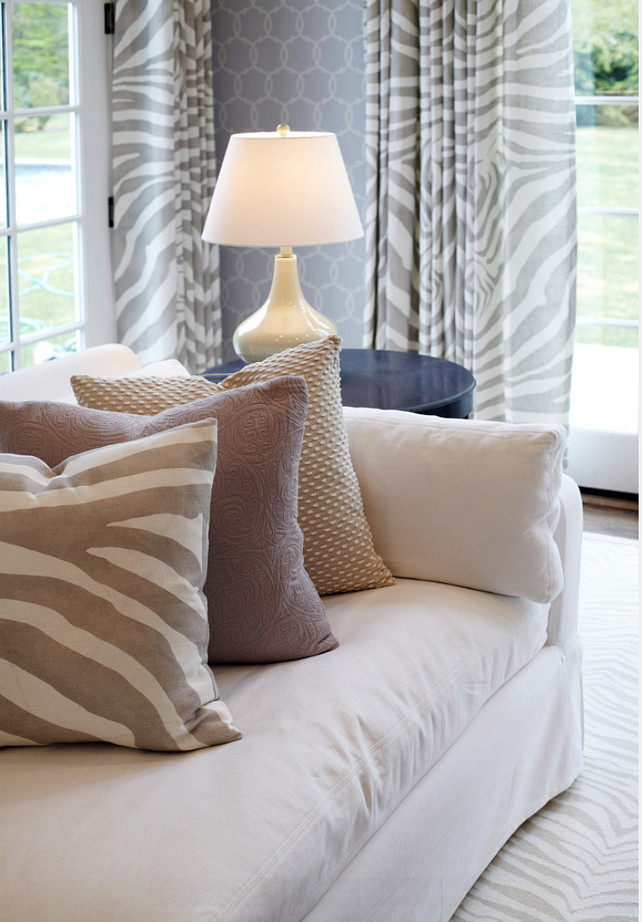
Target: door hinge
110,211
110,18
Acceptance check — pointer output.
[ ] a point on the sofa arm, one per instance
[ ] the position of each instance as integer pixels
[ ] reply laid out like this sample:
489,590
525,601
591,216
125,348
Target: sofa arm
51,380
562,616
466,502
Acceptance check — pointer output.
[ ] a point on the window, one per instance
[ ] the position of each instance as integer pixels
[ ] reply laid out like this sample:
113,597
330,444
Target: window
605,39
604,411
54,188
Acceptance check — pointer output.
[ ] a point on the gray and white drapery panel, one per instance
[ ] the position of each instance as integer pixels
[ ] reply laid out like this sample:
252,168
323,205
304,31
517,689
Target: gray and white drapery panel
471,220
166,278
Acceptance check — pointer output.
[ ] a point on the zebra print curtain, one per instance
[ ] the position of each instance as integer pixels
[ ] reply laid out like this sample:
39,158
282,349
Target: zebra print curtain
166,279
471,227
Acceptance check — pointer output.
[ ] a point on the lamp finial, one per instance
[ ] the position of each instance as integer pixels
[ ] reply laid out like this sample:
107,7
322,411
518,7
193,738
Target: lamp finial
283,130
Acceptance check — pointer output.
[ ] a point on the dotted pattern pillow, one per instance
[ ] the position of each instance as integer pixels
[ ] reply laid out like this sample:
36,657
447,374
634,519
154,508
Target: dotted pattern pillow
103,622
338,549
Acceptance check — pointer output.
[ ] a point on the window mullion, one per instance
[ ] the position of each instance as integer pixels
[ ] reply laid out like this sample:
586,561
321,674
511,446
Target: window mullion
9,140
608,211
606,100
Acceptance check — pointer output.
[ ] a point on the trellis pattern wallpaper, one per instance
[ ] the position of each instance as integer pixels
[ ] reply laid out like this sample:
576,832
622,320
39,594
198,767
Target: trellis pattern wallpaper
299,62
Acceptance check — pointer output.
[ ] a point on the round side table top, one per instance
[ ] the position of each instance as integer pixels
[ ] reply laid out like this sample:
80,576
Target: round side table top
392,380
405,381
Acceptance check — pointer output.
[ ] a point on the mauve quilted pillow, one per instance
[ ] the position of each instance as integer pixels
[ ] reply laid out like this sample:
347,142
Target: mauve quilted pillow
338,551
262,604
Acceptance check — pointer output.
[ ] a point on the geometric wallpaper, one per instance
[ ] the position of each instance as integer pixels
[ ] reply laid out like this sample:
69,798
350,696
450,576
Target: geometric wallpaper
300,62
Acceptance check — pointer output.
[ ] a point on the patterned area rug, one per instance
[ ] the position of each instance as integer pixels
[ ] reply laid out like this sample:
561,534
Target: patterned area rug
577,859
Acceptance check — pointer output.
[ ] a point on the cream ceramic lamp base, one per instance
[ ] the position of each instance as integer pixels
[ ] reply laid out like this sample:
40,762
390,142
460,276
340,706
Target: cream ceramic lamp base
286,319
274,187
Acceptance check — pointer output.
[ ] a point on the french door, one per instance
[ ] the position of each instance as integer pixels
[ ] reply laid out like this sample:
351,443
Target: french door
604,403
55,279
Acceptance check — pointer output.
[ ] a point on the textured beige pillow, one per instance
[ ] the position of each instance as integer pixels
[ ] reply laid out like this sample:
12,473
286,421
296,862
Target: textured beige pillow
338,550
103,622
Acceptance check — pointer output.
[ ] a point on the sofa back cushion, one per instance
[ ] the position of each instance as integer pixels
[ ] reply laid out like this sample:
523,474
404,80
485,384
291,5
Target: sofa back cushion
471,503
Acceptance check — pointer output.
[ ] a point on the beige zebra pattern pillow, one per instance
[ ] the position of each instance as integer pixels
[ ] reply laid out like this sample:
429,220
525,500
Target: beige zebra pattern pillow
103,622
338,550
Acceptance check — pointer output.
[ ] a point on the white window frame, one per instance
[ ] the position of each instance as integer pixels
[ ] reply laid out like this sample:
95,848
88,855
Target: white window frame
95,186
95,323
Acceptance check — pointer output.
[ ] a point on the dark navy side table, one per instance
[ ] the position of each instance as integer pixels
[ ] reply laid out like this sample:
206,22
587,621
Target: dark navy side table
396,381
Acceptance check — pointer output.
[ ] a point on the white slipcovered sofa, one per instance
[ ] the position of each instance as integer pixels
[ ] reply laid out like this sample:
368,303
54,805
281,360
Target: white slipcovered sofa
373,782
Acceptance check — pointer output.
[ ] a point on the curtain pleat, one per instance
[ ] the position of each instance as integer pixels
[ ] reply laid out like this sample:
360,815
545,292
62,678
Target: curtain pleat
471,221
166,278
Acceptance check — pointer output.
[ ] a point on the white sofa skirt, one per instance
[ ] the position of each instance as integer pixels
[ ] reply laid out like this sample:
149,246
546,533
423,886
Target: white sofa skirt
522,749
373,782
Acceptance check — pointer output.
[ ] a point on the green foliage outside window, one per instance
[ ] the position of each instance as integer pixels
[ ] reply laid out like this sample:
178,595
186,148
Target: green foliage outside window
605,45
40,47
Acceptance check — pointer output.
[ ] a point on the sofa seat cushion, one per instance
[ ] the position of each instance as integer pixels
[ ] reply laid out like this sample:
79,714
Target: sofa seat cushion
261,829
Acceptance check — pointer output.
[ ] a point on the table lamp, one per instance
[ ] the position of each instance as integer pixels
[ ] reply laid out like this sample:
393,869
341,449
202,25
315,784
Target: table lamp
282,189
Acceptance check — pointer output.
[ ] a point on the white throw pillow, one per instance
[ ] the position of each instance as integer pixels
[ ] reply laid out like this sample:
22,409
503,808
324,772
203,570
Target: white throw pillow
167,368
471,503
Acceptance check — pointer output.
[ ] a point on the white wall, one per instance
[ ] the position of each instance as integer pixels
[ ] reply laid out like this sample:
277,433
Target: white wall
603,445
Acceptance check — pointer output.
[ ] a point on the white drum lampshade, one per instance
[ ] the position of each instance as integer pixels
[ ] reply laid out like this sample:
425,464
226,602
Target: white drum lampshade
282,189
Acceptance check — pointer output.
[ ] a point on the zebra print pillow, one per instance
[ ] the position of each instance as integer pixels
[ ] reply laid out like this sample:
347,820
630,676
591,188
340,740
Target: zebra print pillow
103,623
